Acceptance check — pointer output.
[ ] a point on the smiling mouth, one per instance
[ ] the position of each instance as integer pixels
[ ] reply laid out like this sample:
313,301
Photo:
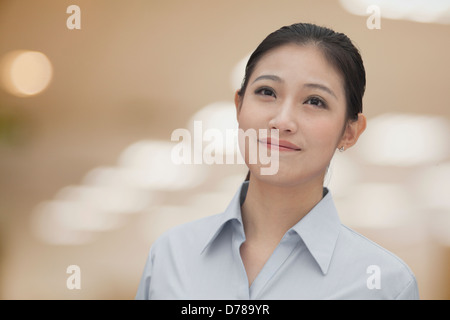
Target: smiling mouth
280,145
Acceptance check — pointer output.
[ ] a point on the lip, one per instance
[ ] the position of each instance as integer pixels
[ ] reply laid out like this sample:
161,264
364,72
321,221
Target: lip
281,145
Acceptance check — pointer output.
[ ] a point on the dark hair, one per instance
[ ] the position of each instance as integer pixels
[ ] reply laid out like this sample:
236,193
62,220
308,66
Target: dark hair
338,50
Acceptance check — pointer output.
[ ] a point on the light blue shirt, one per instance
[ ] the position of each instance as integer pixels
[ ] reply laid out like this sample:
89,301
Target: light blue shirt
318,258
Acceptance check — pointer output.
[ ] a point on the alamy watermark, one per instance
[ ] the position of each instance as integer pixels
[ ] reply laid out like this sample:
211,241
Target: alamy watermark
74,280
255,146
74,20
374,20
374,280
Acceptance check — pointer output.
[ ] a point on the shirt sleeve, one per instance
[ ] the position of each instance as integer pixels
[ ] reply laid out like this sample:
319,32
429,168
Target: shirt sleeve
411,291
143,292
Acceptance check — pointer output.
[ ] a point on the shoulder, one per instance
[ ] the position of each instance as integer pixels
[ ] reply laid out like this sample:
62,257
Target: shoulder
190,236
363,255
365,248
170,257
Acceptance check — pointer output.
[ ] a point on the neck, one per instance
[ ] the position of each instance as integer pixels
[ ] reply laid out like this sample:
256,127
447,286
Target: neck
270,210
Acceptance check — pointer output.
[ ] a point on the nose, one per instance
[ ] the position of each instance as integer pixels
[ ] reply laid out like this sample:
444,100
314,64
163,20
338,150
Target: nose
284,119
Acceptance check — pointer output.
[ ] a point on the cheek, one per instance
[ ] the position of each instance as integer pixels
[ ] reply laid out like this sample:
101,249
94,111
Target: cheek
322,133
248,117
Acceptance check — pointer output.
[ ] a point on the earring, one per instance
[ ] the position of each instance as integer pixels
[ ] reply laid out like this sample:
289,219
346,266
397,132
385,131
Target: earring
341,149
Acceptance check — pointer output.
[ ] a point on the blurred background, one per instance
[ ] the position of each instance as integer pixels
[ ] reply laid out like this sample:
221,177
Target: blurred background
89,100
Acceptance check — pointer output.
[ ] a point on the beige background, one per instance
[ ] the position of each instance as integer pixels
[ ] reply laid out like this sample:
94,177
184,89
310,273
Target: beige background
136,71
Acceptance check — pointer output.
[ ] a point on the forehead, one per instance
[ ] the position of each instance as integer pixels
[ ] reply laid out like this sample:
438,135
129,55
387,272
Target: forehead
299,64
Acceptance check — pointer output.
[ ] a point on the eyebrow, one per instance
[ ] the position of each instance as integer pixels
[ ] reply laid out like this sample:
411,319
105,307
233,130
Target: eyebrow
320,87
307,85
269,77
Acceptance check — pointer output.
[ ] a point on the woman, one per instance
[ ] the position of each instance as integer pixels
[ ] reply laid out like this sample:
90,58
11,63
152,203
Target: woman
280,237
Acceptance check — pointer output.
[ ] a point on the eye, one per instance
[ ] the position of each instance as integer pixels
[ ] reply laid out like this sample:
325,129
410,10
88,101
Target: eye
315,101
266,92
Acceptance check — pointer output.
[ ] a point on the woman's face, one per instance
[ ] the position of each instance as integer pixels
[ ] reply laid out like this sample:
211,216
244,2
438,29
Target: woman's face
294,89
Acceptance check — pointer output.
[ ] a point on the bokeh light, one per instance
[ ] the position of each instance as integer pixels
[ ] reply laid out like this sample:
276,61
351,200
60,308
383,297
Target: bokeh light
414,10
25,73
405,140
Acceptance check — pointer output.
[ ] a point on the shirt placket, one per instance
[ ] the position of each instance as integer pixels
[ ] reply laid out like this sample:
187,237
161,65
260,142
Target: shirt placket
238,237
279,256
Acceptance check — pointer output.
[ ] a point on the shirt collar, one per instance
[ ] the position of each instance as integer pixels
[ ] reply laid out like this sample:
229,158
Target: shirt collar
319,229
232,212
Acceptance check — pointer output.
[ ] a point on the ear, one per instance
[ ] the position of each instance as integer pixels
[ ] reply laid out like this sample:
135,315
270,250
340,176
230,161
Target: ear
237,103
352,132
